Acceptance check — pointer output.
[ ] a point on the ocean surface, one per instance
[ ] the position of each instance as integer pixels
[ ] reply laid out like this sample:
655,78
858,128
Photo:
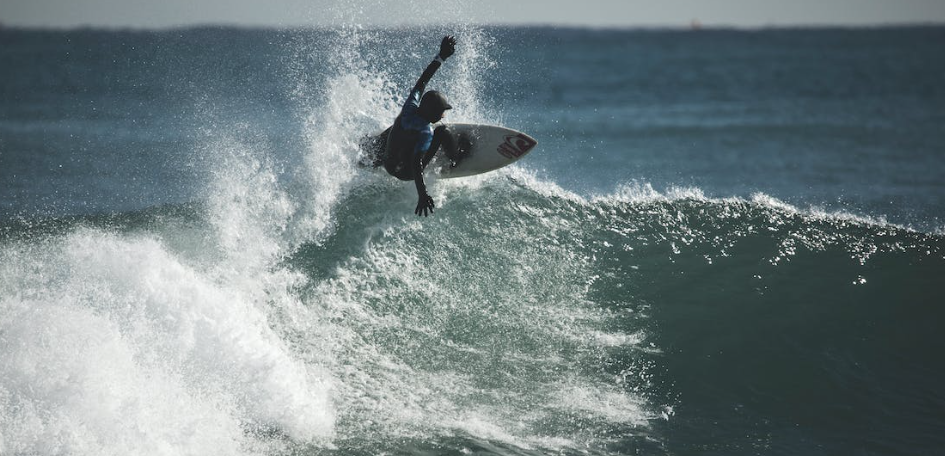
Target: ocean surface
727,242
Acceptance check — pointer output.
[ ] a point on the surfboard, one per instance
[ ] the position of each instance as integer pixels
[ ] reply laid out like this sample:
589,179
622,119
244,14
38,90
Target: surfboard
482,148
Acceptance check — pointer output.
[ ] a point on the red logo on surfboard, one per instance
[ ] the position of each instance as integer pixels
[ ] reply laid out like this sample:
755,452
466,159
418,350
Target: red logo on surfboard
516,145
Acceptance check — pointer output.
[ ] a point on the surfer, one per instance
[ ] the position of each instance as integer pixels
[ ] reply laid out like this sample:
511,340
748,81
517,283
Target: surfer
412,141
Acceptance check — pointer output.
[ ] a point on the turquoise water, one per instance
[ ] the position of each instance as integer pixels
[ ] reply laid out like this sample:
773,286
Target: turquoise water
726,242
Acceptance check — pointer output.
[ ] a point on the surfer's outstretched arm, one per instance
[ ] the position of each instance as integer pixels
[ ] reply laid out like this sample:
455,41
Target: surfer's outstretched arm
424,201
447,47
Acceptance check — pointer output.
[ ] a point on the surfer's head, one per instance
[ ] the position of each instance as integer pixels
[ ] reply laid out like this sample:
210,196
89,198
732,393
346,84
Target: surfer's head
432,106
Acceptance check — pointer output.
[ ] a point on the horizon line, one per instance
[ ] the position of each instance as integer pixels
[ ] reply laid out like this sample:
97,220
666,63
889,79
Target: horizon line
695,26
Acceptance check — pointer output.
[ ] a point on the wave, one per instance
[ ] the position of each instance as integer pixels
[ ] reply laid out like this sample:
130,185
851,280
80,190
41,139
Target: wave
520,314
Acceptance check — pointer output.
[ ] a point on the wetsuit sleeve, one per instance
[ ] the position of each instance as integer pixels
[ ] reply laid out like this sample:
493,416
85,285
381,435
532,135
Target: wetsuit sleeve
417,163
413,102
427,74
421,160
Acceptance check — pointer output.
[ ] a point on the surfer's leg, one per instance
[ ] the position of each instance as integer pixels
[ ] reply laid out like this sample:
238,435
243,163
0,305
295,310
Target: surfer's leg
447,140
373,150
398,169
394,164
380,149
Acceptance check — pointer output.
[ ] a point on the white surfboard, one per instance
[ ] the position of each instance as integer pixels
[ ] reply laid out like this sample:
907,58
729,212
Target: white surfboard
483,148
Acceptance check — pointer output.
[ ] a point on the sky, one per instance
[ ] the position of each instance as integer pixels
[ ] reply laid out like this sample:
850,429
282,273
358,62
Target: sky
591,13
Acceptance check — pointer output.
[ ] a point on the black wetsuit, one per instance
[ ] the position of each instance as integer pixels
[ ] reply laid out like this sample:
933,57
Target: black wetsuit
412,142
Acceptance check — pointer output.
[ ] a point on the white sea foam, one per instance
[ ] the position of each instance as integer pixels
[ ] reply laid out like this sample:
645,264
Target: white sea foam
113,346
598,401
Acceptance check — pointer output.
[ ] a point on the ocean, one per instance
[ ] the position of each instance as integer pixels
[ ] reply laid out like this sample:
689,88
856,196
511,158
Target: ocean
727,242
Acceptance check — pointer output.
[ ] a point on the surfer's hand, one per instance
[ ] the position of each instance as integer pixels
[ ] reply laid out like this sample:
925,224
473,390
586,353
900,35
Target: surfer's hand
447,46
424,204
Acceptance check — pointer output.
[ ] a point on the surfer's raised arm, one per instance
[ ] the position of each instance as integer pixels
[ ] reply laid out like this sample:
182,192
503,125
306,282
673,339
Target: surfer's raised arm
447,47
